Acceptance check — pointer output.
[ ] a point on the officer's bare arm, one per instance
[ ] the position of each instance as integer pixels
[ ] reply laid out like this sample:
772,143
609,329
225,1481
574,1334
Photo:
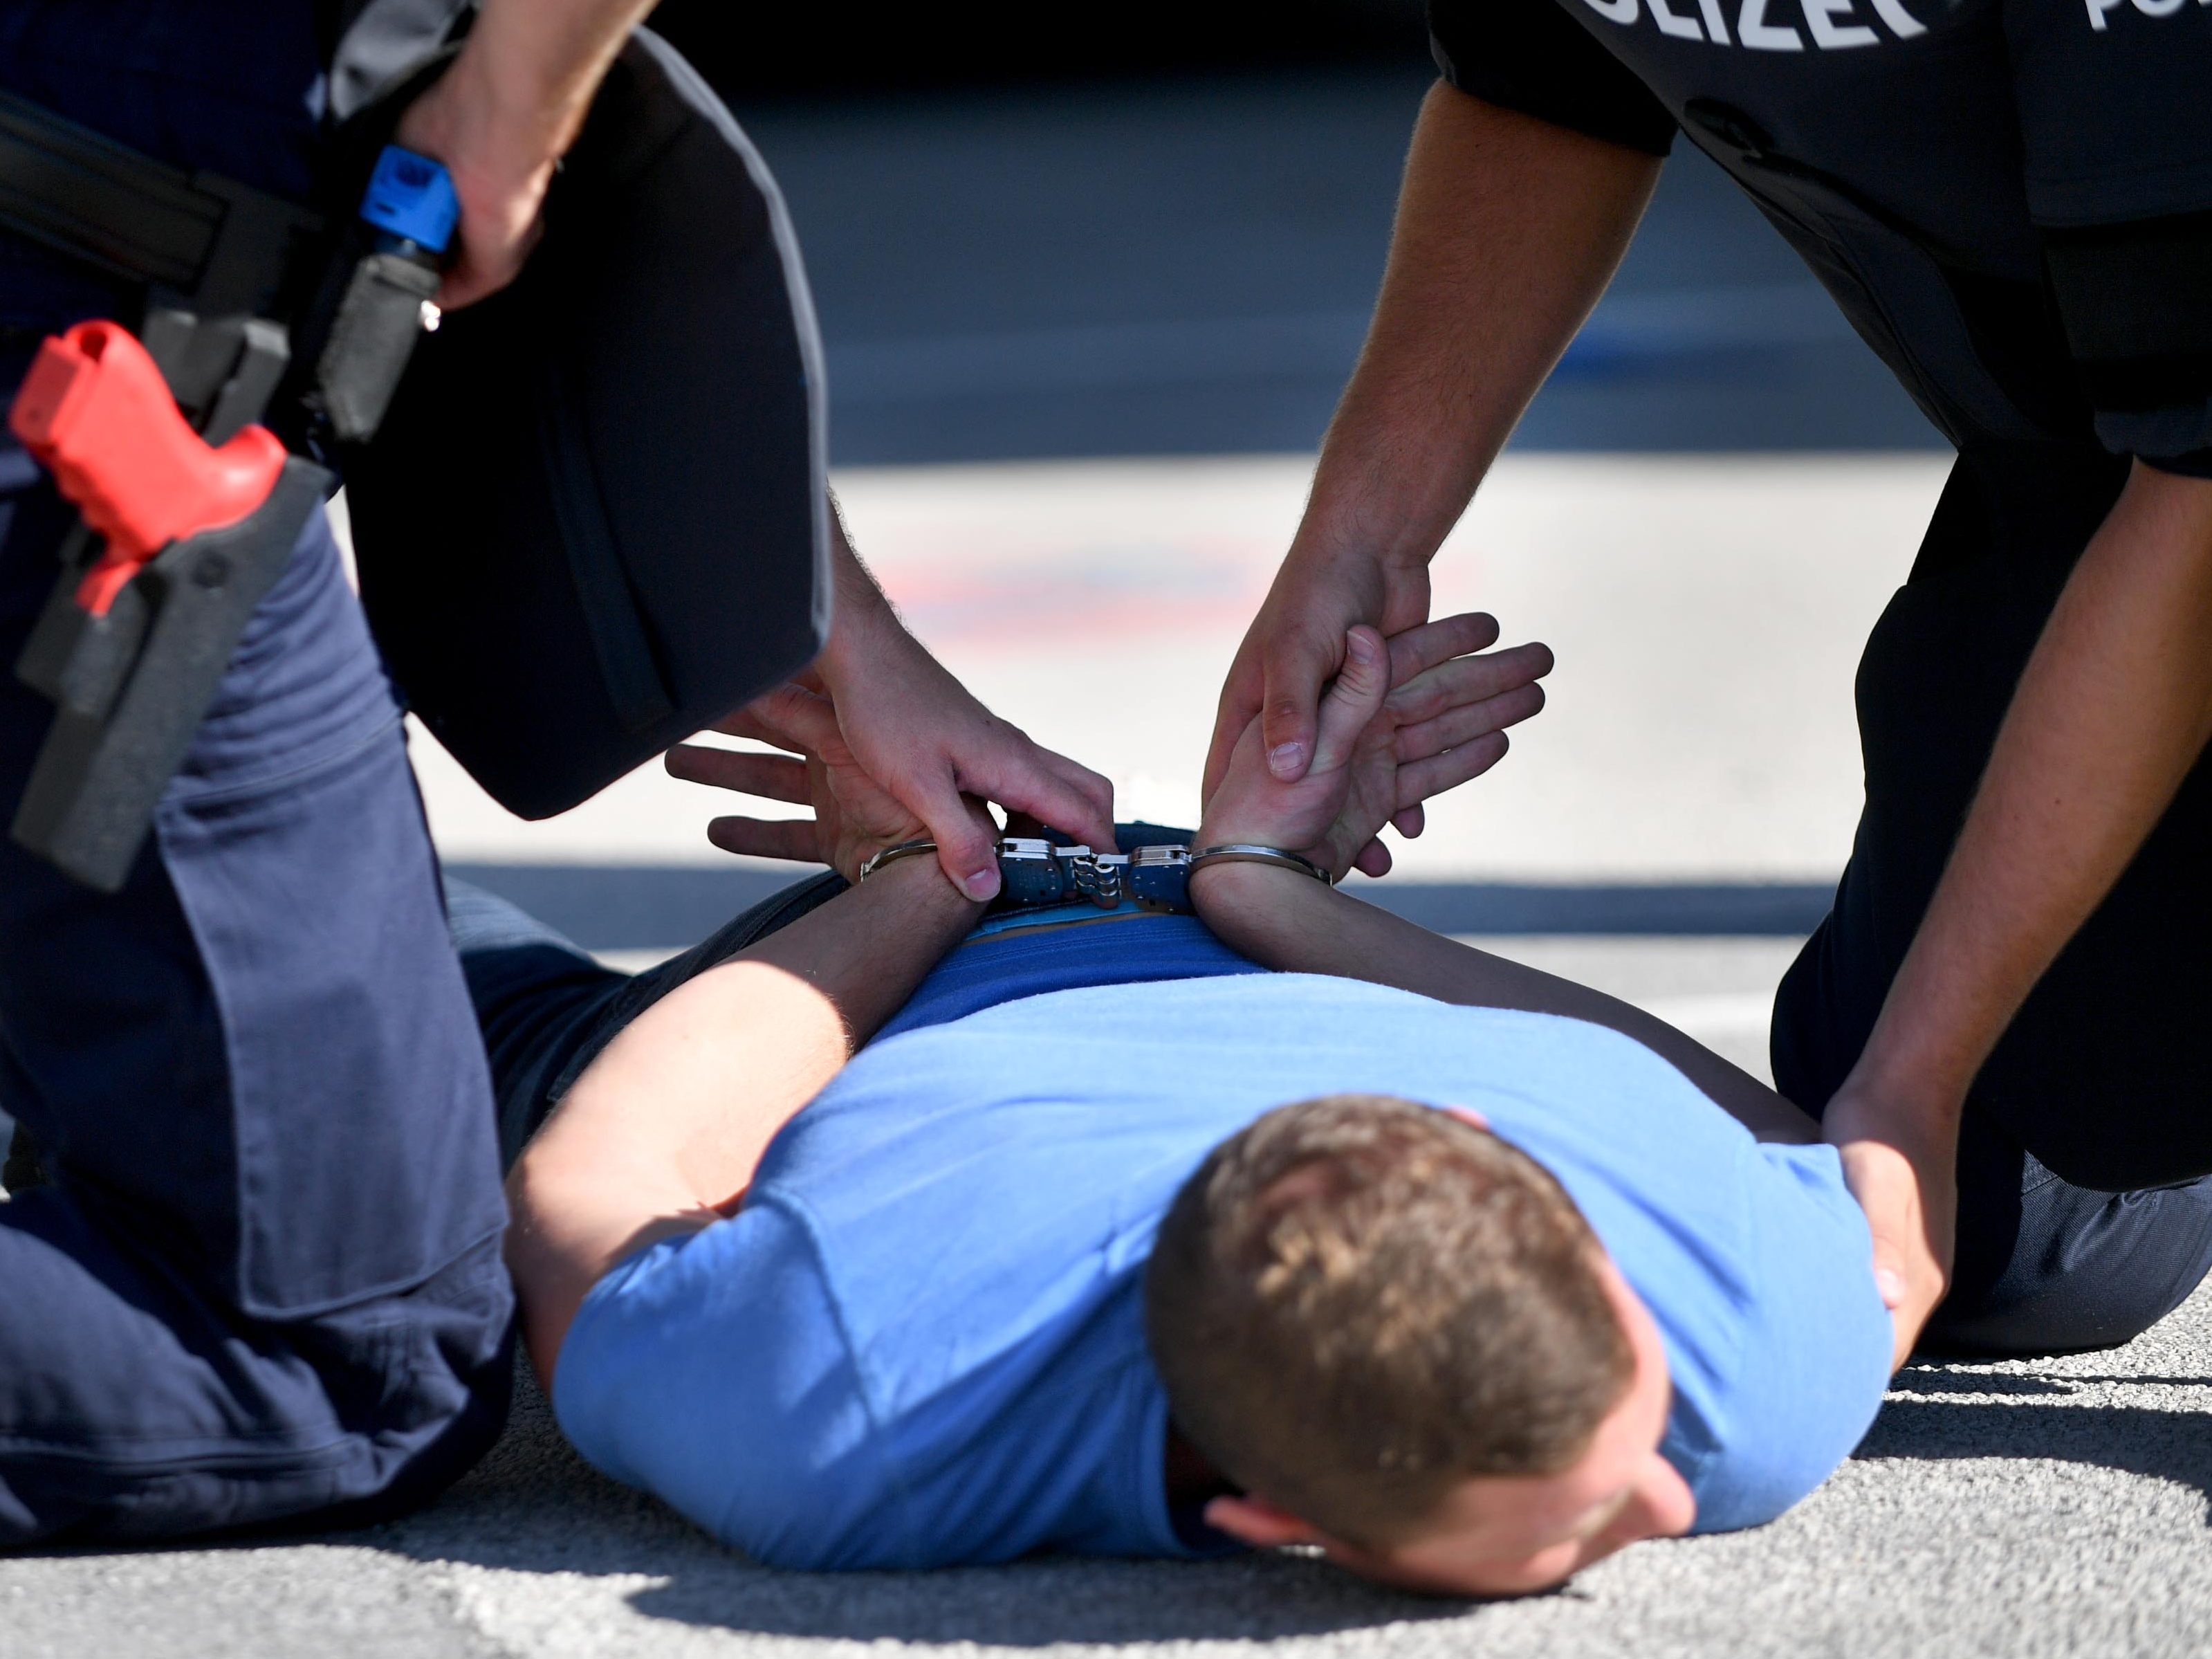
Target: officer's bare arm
1507,230
505,113
662,1131
2114,708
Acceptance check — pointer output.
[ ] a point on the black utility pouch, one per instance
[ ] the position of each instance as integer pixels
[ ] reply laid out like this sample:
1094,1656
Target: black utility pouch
594,519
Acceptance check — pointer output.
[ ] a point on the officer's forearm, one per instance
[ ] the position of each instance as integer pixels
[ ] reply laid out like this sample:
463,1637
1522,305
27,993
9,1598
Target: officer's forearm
1507,230
861,621
536,63
2114,708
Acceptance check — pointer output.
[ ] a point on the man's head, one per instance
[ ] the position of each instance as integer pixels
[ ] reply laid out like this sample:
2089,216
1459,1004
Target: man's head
1399,1335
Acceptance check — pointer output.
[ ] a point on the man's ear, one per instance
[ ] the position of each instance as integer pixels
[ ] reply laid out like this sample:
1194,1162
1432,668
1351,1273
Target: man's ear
1469,1114
1255,1521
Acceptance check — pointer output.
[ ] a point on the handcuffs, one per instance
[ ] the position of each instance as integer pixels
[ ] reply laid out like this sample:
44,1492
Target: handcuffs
1036,874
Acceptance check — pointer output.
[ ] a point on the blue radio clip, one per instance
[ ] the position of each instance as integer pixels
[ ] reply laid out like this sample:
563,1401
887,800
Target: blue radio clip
411,197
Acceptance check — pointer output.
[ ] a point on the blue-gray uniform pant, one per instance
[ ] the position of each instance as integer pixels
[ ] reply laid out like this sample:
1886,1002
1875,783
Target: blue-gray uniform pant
265,1284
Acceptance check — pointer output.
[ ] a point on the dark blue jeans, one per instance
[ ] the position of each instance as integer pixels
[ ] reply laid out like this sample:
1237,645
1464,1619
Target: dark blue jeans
545,1008
263,1283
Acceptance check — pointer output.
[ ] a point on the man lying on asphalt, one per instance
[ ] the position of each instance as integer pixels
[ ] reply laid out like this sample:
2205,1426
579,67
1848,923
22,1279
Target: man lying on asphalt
1480,1275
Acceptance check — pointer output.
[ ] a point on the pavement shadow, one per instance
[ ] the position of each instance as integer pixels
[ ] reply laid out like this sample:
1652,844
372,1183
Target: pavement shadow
534,1506
1046,1602
2038,1424
1917,1380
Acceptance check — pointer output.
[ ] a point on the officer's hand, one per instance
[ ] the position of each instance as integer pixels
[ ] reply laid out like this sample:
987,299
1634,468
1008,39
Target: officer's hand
1904,1173
1293,647
500,169
928,742
854,818
1401,721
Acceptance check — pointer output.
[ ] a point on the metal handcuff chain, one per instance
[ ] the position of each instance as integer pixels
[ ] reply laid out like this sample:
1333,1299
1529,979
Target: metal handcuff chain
1034,873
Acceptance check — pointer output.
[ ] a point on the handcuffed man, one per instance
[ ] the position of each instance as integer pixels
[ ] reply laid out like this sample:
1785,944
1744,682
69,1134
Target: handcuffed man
879,1233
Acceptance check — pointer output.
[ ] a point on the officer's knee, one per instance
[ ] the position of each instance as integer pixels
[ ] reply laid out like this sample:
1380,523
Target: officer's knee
2083,1270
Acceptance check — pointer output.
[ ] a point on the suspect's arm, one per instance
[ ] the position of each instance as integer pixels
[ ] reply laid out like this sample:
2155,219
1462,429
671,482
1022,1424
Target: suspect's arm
663,1131
1292,923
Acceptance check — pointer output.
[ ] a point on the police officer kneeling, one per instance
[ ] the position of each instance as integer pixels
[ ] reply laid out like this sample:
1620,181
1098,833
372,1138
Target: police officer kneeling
263,1282
2003,1015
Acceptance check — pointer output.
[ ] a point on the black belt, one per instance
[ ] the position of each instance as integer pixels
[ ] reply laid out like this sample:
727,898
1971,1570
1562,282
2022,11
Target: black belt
227,271
200,235
214,256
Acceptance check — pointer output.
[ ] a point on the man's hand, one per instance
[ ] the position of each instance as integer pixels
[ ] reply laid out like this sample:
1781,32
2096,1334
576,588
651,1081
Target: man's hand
1508,228
500,176
854,818
926,742
501,117
1295,647
1403,721
1904,1177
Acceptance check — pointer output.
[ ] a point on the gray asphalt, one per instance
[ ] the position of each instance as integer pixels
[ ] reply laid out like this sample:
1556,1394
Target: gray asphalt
2031,1508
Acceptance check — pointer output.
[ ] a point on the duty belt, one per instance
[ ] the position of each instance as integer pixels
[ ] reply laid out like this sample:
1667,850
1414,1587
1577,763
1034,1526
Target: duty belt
188,507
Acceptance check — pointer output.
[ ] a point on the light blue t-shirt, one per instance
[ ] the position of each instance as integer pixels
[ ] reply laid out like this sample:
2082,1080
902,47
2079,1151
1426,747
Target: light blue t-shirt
920,1340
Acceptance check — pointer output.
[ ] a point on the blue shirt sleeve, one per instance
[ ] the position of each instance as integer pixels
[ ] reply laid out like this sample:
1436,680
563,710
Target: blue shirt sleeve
712,1370
1815,1354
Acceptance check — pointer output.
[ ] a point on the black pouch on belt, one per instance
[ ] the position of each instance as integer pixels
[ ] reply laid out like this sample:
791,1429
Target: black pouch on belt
594,519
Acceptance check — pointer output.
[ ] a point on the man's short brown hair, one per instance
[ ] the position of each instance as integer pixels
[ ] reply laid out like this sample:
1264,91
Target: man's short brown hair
1356,1303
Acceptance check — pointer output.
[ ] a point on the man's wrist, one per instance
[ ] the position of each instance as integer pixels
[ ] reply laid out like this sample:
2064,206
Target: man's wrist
537,64
1915,1080
495,145
1397,529
1228,885
921,881
1900,1110
862,630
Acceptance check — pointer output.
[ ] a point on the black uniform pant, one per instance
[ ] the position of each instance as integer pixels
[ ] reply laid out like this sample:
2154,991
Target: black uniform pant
2084,1213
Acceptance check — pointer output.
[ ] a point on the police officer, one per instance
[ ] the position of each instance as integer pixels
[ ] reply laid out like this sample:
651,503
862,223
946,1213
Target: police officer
262,1281
2011,201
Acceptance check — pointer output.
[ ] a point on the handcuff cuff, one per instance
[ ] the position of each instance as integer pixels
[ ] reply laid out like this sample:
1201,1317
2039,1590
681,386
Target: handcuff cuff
1036,874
